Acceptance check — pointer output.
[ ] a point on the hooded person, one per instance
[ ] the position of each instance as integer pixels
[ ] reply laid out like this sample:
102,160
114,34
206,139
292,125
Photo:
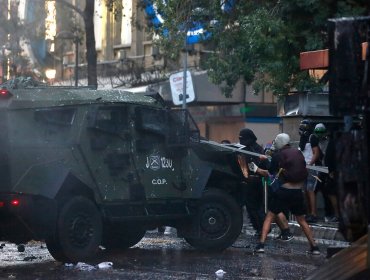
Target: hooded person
253,189
248,139
305,130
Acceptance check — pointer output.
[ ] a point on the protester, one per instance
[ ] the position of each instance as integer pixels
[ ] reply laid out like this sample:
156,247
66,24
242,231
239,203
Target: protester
253,189
288,167
281,218
319,143
305,131
329,185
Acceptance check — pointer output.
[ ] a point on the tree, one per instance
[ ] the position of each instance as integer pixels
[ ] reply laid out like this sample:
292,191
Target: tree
87,15
259,41
12,31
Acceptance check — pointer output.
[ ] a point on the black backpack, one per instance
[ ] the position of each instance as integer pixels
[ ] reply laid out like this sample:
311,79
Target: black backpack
293,165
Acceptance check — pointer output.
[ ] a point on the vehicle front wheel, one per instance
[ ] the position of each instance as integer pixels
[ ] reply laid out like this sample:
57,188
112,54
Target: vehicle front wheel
219,221
78,232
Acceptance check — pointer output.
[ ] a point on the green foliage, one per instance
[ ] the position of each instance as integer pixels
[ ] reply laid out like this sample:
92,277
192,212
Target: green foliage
257,40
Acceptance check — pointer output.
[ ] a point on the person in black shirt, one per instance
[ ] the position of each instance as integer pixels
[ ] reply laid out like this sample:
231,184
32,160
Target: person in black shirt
253,190
320,141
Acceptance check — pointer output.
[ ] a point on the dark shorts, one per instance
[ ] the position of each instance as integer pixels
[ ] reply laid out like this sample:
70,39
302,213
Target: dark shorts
328,186
285,200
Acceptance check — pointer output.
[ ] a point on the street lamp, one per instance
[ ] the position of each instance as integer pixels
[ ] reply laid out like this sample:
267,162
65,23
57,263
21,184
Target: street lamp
50,74
68,35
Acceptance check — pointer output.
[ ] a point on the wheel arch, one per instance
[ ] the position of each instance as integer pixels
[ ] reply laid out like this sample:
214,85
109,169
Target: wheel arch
229,184
72,186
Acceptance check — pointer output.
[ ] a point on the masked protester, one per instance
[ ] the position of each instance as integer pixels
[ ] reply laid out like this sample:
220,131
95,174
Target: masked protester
289,167
253,189
322,147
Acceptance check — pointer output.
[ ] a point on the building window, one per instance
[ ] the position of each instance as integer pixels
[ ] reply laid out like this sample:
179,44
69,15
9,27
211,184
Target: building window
126,22
99,23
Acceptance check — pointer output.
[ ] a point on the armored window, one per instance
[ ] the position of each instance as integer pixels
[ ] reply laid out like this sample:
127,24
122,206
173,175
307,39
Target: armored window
111,119
151,120
58,116
182,129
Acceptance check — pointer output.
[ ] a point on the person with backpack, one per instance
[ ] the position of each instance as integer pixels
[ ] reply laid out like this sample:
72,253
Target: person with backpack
253,192
288,166
319,141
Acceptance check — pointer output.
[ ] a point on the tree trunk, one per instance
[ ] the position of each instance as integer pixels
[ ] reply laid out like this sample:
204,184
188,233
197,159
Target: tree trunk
91,56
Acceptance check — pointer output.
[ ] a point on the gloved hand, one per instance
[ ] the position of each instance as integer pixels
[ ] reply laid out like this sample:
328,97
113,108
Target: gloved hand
252,166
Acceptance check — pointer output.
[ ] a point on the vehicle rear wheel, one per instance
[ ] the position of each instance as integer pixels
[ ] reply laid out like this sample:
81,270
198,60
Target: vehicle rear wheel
78,232
122,236
219,221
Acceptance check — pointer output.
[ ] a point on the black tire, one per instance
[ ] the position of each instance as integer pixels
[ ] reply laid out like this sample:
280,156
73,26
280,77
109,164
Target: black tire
219,221
121,237
78,233
55,250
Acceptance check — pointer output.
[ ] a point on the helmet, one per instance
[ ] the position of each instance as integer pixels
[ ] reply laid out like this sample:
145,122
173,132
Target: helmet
280,141
306,127
320,129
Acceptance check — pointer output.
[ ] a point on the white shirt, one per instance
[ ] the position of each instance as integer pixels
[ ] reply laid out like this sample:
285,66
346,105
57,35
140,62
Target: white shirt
307,153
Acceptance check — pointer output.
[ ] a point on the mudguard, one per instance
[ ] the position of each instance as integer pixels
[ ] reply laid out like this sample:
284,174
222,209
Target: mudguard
48,177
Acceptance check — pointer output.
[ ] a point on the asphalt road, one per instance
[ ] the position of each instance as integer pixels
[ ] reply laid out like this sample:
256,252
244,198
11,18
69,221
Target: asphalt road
160,256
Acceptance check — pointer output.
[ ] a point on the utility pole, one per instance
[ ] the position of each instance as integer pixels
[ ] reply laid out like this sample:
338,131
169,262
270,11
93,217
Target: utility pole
4,65
185,72
76,60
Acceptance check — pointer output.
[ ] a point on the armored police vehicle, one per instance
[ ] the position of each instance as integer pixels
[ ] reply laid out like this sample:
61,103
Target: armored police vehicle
82,168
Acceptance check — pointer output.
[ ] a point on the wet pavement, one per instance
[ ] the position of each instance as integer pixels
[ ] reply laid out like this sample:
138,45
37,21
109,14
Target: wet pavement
160,256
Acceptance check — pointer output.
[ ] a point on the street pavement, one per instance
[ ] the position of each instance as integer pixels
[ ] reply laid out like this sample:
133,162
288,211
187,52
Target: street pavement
164,256
323,232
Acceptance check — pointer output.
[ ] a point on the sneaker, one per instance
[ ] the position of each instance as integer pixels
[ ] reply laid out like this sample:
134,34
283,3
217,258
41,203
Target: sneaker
314,250
260,248
310,219
332,219
168,230
286,237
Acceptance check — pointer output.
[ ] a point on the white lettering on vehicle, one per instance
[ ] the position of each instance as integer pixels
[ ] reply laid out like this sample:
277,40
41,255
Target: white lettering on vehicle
166,162
159,181
156,162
